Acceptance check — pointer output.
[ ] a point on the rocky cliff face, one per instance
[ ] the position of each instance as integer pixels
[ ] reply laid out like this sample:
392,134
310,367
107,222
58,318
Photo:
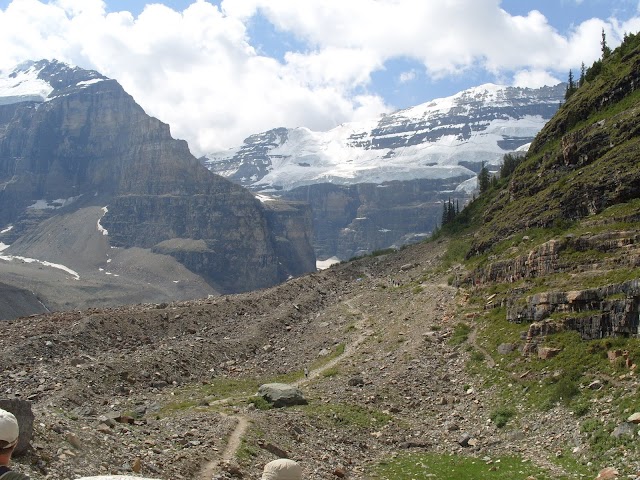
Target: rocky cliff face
357,219
559,244
420,155
78,139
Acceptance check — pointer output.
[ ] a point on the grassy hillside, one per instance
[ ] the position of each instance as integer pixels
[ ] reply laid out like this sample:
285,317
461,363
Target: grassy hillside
583,161
552,258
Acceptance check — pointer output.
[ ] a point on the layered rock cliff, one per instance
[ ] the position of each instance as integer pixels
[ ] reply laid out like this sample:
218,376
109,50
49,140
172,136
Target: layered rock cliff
558,241
352,220
77,139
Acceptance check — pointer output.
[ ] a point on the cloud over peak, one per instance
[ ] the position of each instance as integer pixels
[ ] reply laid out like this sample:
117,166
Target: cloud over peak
201,71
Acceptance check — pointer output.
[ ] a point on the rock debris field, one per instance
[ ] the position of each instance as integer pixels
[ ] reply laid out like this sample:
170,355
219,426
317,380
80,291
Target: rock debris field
163,390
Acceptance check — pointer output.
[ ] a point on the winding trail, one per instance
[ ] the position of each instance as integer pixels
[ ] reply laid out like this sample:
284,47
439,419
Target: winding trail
235,439
473,336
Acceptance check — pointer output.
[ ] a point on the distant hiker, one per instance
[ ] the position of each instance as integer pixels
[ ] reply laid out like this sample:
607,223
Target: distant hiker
9,433
282,469
306,372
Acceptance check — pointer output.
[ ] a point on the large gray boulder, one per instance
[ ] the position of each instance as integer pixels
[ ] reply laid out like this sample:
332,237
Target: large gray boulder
22,411
281,395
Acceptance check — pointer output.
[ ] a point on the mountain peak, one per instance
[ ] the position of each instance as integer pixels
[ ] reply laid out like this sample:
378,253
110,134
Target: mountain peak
482,123
39,81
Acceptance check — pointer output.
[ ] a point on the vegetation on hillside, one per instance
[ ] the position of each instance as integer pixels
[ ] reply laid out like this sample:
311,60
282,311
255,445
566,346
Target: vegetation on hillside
580,180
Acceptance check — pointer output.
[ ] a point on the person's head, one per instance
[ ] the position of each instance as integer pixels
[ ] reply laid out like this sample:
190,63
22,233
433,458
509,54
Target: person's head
282,469
9,434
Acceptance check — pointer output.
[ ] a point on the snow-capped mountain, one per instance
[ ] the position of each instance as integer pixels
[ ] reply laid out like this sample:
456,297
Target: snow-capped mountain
44,80
382,182
444,138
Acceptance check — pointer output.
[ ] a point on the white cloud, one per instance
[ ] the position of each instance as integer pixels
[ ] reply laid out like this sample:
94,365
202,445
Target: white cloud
407,76
534,79
198,71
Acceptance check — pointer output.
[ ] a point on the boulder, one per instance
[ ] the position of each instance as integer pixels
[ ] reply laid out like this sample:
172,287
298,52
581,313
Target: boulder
634,418
506,348
356,382
608,473
22,411
281,395
464,440
545,353
624,429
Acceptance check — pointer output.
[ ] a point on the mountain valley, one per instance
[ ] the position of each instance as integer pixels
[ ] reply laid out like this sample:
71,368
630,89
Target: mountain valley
504,347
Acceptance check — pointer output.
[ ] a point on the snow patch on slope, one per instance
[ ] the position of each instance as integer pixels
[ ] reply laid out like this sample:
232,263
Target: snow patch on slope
101,229
10,258
52,204
23,86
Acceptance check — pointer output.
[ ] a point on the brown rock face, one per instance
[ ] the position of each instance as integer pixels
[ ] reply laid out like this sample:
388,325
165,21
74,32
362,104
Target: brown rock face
352,220
592,312
96,146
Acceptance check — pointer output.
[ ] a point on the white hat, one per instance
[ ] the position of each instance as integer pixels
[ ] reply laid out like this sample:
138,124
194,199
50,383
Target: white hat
9,431
282,469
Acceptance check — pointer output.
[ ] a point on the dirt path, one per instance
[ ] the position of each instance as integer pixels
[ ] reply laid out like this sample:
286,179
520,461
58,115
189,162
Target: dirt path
349,349
235,439
473,336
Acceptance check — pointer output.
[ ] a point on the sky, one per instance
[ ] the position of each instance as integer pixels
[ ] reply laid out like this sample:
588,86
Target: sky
219,71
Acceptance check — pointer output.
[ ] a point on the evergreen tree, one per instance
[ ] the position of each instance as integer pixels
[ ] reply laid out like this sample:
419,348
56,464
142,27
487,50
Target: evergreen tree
571,86
606,51
445,214
582,75
450,210
483,179
509,164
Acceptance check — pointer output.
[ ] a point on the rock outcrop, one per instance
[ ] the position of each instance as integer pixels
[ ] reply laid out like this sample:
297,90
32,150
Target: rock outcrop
595,313
563,255
358,219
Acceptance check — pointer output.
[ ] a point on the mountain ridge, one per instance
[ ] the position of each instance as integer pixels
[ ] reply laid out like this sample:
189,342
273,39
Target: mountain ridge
479,124
382,183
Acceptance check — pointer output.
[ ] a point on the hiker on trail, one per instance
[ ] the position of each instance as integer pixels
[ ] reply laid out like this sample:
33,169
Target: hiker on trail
9,433
282,469
306,372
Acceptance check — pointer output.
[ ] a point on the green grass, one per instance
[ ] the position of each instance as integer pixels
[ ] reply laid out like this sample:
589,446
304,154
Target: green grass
330,372
501,416
246,453
460,334
602,444
335,353
260,403
446,467
198,395
347,415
